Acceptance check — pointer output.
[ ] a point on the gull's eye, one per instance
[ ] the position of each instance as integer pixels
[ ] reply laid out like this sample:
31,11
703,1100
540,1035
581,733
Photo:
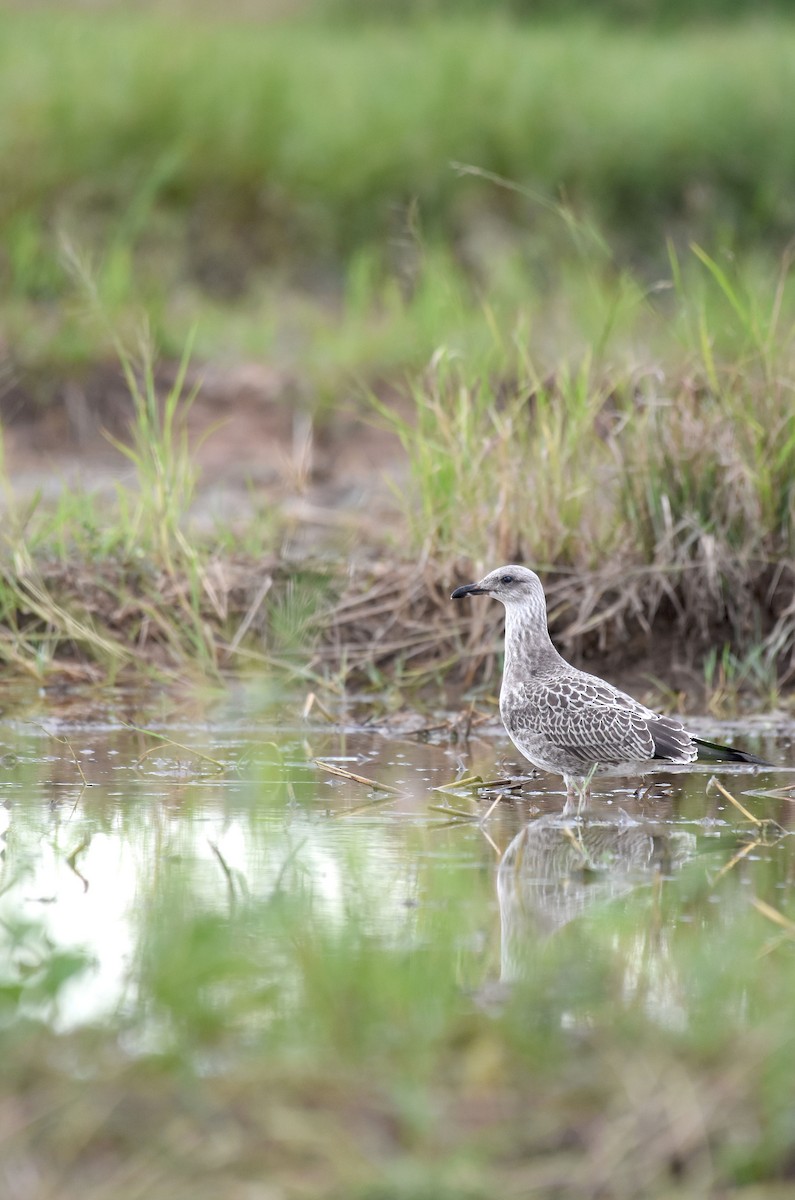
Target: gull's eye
507,579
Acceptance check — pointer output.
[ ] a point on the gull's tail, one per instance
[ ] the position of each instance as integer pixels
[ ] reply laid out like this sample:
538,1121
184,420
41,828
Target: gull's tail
714,752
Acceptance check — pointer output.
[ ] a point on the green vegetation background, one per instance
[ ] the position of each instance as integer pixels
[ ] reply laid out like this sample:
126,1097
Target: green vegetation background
229,170
602,289
587,217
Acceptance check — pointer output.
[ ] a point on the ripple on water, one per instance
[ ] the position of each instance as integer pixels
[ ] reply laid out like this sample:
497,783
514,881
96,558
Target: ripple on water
99,820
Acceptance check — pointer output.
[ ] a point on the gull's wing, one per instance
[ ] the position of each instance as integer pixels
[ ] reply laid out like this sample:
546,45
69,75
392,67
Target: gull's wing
594,722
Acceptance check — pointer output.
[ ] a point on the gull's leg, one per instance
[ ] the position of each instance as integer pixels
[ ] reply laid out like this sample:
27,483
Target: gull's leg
647,788
584,790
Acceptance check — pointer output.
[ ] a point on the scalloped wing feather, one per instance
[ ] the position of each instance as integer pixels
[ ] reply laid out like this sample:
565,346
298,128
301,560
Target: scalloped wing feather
589,720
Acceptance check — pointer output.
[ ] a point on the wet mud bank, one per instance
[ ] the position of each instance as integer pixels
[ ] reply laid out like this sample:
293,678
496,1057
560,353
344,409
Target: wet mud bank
372,626
293,553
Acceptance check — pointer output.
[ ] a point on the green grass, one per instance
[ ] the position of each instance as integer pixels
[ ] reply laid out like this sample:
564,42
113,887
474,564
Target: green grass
636,447
573,459
626,426
344,1042
656,13
634,444
193,163
325,1024
221,115
120,582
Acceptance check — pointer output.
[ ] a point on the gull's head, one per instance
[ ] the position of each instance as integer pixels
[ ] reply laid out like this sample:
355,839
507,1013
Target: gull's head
511,585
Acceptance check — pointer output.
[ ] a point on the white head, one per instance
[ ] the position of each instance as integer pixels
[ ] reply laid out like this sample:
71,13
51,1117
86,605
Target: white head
513,586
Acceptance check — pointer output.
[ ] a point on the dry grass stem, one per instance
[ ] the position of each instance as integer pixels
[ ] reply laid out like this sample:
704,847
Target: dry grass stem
343,773
714,782
738,857
773,914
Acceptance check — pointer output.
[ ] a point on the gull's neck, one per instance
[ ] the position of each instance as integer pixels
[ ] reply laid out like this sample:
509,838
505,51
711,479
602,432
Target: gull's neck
528,646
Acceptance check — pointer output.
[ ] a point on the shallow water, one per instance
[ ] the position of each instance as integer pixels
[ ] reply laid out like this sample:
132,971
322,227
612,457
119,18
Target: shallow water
97,809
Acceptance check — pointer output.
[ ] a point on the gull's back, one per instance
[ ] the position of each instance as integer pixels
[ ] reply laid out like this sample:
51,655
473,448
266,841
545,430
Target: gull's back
571,722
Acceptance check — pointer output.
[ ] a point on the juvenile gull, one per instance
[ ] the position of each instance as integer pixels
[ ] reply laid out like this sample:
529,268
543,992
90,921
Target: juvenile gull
568,721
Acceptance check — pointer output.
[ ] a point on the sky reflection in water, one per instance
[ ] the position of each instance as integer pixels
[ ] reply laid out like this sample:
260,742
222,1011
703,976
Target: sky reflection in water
82,861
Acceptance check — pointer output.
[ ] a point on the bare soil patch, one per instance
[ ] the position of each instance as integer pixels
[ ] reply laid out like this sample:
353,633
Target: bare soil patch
257,442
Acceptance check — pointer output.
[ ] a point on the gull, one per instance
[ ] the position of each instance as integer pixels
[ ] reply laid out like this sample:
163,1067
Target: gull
570,722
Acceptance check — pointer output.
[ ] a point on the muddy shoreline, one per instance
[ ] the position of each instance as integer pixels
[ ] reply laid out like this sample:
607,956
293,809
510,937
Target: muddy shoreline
369,612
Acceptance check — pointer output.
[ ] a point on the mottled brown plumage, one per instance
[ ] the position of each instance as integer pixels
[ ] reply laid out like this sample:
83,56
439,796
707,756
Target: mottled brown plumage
568,721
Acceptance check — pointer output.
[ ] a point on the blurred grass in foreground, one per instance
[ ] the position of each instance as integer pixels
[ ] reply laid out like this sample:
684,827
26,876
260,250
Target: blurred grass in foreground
285,1034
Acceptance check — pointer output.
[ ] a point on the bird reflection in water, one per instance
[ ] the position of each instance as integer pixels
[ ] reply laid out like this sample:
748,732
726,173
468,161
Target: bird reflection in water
555,871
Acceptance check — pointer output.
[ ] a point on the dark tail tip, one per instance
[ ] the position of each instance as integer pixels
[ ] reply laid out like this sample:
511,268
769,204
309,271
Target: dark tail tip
717,753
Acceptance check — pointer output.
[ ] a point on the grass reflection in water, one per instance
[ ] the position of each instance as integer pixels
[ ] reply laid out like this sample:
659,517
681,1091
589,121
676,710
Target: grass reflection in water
217,976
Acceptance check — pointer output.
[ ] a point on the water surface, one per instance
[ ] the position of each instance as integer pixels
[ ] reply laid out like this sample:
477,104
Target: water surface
106,803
